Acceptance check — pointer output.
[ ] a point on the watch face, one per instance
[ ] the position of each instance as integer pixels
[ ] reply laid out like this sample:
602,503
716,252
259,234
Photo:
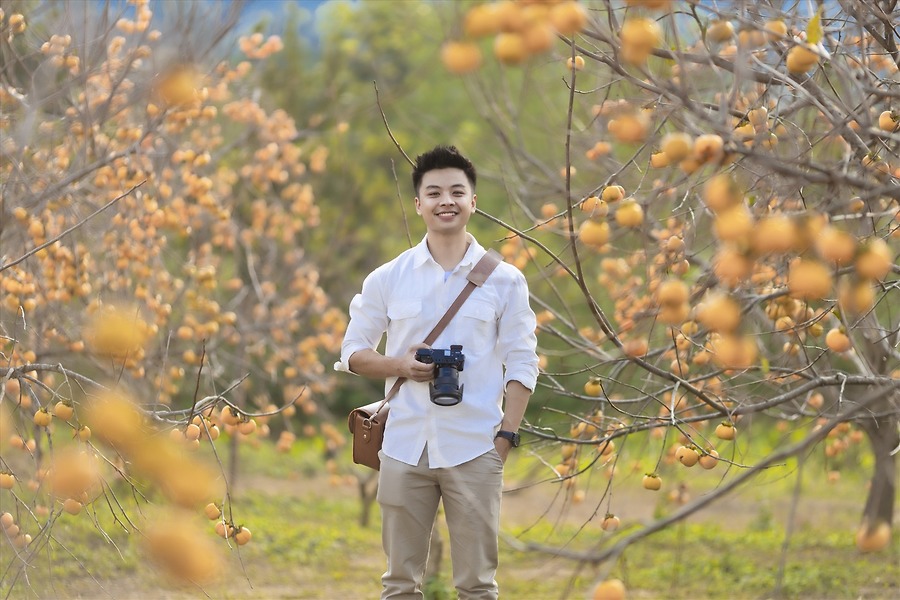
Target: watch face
513,437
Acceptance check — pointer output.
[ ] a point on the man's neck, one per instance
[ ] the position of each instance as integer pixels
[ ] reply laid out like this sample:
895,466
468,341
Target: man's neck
448,250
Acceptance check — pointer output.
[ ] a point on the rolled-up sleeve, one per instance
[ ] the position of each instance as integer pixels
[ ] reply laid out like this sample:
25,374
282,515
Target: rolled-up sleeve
517,342
368,321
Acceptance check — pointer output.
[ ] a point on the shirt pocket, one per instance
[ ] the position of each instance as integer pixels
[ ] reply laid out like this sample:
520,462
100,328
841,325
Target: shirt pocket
481,317
408,309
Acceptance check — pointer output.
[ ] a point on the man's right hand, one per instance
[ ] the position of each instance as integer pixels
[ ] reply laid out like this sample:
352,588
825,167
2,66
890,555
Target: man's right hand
370,363
412,369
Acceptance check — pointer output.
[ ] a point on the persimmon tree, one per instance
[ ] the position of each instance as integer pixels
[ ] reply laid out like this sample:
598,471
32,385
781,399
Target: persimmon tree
153,279
711,240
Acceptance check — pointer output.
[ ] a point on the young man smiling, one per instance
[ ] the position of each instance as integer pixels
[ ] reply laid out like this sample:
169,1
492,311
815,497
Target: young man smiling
432,452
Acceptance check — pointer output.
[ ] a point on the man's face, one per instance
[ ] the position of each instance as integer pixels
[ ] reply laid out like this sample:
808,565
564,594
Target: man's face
445,201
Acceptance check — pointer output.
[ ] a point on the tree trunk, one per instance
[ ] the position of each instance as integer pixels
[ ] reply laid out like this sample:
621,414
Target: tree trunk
368,490
884,437
881,430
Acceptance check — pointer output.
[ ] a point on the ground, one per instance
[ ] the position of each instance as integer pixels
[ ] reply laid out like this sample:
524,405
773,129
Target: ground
308,542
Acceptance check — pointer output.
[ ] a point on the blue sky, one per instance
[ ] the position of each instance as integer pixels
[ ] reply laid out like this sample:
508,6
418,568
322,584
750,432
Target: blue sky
272,11
257,8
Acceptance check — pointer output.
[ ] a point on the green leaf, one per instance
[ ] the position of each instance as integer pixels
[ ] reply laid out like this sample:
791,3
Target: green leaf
814,28
764,364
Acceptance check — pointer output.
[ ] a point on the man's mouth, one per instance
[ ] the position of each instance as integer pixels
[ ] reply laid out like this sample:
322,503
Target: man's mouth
447,214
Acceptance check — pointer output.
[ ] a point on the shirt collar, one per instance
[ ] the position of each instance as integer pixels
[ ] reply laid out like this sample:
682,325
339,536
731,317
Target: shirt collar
421,254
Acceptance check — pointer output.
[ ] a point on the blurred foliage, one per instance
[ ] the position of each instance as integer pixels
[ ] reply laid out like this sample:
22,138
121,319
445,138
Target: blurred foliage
367,44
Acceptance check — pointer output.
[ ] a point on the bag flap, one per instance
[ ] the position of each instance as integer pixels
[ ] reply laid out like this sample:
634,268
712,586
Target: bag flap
366,412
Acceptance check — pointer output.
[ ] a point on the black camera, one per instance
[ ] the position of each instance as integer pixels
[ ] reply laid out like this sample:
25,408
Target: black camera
445,389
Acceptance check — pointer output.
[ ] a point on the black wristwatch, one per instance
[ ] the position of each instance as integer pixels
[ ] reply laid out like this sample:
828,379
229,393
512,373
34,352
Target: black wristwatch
512,436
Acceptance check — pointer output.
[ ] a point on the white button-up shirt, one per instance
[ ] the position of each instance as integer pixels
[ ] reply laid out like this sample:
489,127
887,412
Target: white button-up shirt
405,298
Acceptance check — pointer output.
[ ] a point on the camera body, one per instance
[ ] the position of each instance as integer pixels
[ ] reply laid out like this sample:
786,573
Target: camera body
445,389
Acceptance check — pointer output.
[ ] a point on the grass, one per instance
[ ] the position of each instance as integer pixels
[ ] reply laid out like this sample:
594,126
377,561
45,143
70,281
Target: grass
307,543
703,561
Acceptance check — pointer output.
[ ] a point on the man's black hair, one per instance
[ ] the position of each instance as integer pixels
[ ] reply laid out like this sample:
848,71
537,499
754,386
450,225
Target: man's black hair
442,157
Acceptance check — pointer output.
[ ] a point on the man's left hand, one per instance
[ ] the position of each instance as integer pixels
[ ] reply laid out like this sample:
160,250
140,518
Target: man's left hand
503,447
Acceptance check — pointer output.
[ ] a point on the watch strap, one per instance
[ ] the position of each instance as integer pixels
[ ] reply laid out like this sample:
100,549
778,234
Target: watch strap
512,436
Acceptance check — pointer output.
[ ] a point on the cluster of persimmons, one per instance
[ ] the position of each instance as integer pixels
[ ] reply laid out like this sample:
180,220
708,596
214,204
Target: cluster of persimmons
705,255
152,247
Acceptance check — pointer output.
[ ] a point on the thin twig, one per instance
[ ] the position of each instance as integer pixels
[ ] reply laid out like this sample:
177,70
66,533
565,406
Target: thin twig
402,205
197,386
50,242
388,127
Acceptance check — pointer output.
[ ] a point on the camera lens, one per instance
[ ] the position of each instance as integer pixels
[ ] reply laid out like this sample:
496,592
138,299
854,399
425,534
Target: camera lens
445,390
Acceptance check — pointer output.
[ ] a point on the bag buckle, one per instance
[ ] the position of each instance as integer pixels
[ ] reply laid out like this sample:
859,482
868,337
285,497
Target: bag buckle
367,429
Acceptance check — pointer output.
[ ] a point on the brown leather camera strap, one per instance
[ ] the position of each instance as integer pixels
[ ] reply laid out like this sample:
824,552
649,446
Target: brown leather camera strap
477,276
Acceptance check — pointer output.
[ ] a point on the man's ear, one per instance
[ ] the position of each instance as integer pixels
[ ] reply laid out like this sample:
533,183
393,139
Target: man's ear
418,206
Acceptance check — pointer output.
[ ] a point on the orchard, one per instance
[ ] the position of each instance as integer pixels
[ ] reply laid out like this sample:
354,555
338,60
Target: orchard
704,198
715,236
152,291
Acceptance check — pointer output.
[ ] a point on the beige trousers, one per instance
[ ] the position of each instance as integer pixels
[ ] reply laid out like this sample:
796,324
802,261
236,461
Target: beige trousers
409,499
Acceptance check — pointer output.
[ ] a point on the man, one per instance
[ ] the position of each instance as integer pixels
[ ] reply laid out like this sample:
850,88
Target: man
432,452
